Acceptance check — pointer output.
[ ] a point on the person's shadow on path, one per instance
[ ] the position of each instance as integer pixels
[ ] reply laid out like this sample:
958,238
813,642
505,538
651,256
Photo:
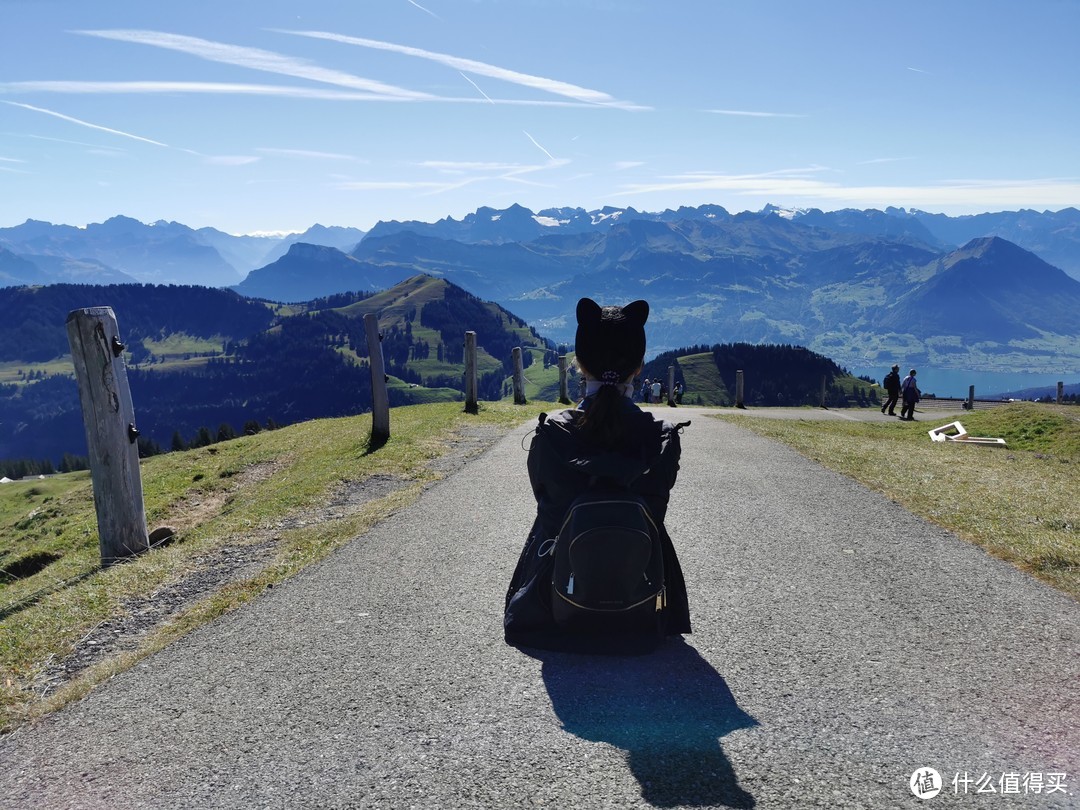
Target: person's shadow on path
667,710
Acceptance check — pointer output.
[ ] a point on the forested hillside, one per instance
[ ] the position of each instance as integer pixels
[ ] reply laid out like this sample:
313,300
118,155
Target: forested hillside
778,375
208,363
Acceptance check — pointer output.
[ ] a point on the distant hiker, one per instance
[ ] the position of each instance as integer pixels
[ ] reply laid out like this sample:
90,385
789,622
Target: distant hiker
892,386
678,393
657,391
646,391
606,451
911,395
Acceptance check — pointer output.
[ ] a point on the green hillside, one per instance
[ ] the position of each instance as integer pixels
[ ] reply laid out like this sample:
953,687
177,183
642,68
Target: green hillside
702,381
773,375
223,364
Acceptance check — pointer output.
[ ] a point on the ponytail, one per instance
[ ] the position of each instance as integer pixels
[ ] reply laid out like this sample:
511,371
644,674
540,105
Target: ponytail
601,421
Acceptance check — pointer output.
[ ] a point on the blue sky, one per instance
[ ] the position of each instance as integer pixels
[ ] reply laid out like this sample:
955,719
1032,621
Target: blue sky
272,116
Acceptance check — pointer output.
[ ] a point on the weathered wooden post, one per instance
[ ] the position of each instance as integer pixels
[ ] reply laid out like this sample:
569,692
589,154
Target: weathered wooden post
519,377
823,378
109,420
970,404
739,389
564,391
1061,392
380,400
671,386
471,405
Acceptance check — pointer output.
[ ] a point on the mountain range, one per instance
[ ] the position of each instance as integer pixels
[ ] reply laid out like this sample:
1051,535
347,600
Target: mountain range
858,287
123,250
994,292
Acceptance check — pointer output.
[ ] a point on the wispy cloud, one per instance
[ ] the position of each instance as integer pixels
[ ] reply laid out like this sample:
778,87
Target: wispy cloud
12,169
230,160
304,154
62,140
256,59
87,124
876,161
244,89
209,88
463,173
756,114
391,185
461,166
565,89
623,165
917,70
800,184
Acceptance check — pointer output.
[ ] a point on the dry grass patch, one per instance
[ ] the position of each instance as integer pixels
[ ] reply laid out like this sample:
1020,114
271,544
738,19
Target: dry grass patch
250,512
1019,503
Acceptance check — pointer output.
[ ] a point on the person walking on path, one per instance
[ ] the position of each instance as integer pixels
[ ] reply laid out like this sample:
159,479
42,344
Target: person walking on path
606,438
910,392
892,387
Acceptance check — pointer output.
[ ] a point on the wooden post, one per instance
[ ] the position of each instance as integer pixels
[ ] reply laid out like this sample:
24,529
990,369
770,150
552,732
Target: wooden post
739,389
564,391
380,400
519,377
471,405
671,386
1061,392
109,420
971,398
823,378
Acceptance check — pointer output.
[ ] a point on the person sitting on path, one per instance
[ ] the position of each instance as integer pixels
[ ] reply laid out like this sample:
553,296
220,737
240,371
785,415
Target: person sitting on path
607,437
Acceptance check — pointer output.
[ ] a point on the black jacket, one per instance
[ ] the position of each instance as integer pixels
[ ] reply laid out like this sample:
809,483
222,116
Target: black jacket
561,463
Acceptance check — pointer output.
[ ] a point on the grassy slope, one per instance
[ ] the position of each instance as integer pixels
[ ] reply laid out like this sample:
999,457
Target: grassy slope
1019,503
230,495
703,383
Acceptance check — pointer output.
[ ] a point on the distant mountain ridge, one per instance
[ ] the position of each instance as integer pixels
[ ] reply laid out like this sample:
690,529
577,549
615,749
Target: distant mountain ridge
170,252
124,249
854,286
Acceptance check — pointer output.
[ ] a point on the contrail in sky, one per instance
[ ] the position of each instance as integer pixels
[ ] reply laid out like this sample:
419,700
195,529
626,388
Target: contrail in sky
478,68
428,11
86,123
256,59
474,84
538,146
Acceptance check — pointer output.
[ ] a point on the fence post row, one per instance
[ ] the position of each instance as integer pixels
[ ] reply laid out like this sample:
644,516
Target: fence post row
111,436
471,405
564,394
519,378
380,400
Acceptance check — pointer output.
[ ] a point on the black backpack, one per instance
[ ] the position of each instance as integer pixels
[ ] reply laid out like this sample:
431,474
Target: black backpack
608,572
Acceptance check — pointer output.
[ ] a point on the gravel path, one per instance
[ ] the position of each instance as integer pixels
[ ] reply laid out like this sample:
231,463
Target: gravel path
840,644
